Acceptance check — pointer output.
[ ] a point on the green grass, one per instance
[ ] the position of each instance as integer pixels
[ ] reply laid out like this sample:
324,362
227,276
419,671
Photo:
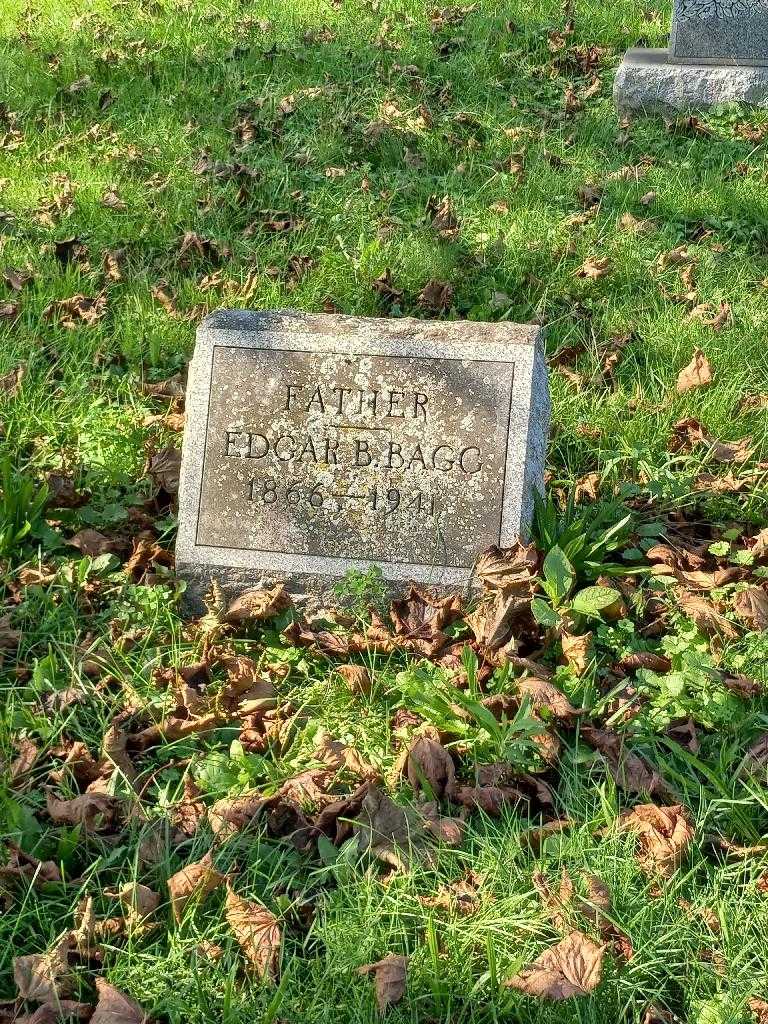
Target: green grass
167,84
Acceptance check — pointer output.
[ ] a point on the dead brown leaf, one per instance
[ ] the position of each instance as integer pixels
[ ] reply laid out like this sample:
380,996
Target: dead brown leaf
79,309
390,977
115,1007
388,831
573,967
577,651
697,374
436,296
44,977
545,696
664,836
630,771
357,679
164,468
94,811
430,765
594,268
92,543
751,607
193,882
257,931
257,605
706,617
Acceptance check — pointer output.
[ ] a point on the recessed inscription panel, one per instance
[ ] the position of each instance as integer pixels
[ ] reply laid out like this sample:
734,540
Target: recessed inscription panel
396,459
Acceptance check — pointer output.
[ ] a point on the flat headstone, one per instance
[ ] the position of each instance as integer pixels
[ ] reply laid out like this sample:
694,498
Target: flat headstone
719,32
319,444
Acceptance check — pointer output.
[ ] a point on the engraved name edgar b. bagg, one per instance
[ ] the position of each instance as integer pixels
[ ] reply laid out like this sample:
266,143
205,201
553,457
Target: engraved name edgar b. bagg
390,458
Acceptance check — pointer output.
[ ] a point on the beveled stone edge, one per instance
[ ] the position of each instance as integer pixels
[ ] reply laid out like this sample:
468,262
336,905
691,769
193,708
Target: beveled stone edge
409,337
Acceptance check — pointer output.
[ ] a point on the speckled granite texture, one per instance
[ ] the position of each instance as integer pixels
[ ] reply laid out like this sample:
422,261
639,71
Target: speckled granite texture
647,83
315,444
720,32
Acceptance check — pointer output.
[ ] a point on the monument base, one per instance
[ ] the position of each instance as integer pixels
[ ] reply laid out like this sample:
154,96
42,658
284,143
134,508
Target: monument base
648,83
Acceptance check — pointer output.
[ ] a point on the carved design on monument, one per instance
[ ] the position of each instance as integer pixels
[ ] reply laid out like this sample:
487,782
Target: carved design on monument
718,8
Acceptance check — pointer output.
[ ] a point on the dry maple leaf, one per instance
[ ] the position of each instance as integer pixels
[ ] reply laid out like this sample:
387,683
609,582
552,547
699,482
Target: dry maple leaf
751,606
257,605
664,835
388,831
92,543
545,696
573,967
233,814
697,374
512,568
442,217
115,1007
706,617
139,900
436,296
164,468
357,679
93,811
577,651
630,771
257,931
193,882
44,977
390,977
430,764
79,309
593,268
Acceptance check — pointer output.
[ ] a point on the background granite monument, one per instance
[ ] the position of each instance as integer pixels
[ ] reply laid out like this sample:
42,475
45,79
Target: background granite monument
318,444
718,53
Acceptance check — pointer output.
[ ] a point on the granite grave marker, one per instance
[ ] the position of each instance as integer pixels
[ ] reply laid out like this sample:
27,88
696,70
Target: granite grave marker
319,443
718,53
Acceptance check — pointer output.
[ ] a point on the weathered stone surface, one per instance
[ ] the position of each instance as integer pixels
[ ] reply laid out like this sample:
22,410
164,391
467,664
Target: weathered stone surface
648,83
719,32
316,444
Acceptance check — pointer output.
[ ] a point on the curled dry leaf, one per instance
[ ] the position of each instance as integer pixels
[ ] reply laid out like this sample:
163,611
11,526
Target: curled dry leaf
508,568
751,606
44,977
115,1007
577,651
388,831
257,605
24,865
193,882
594,268
706,617
573,967
24,762
430,764
92,543
545,696
697,374
257,931
390,977
421,614
357,679
94,811
139,900
164,468
629,770
534,838
664,835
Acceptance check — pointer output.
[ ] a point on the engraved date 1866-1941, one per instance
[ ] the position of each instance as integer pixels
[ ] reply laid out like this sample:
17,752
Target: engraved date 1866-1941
268,491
